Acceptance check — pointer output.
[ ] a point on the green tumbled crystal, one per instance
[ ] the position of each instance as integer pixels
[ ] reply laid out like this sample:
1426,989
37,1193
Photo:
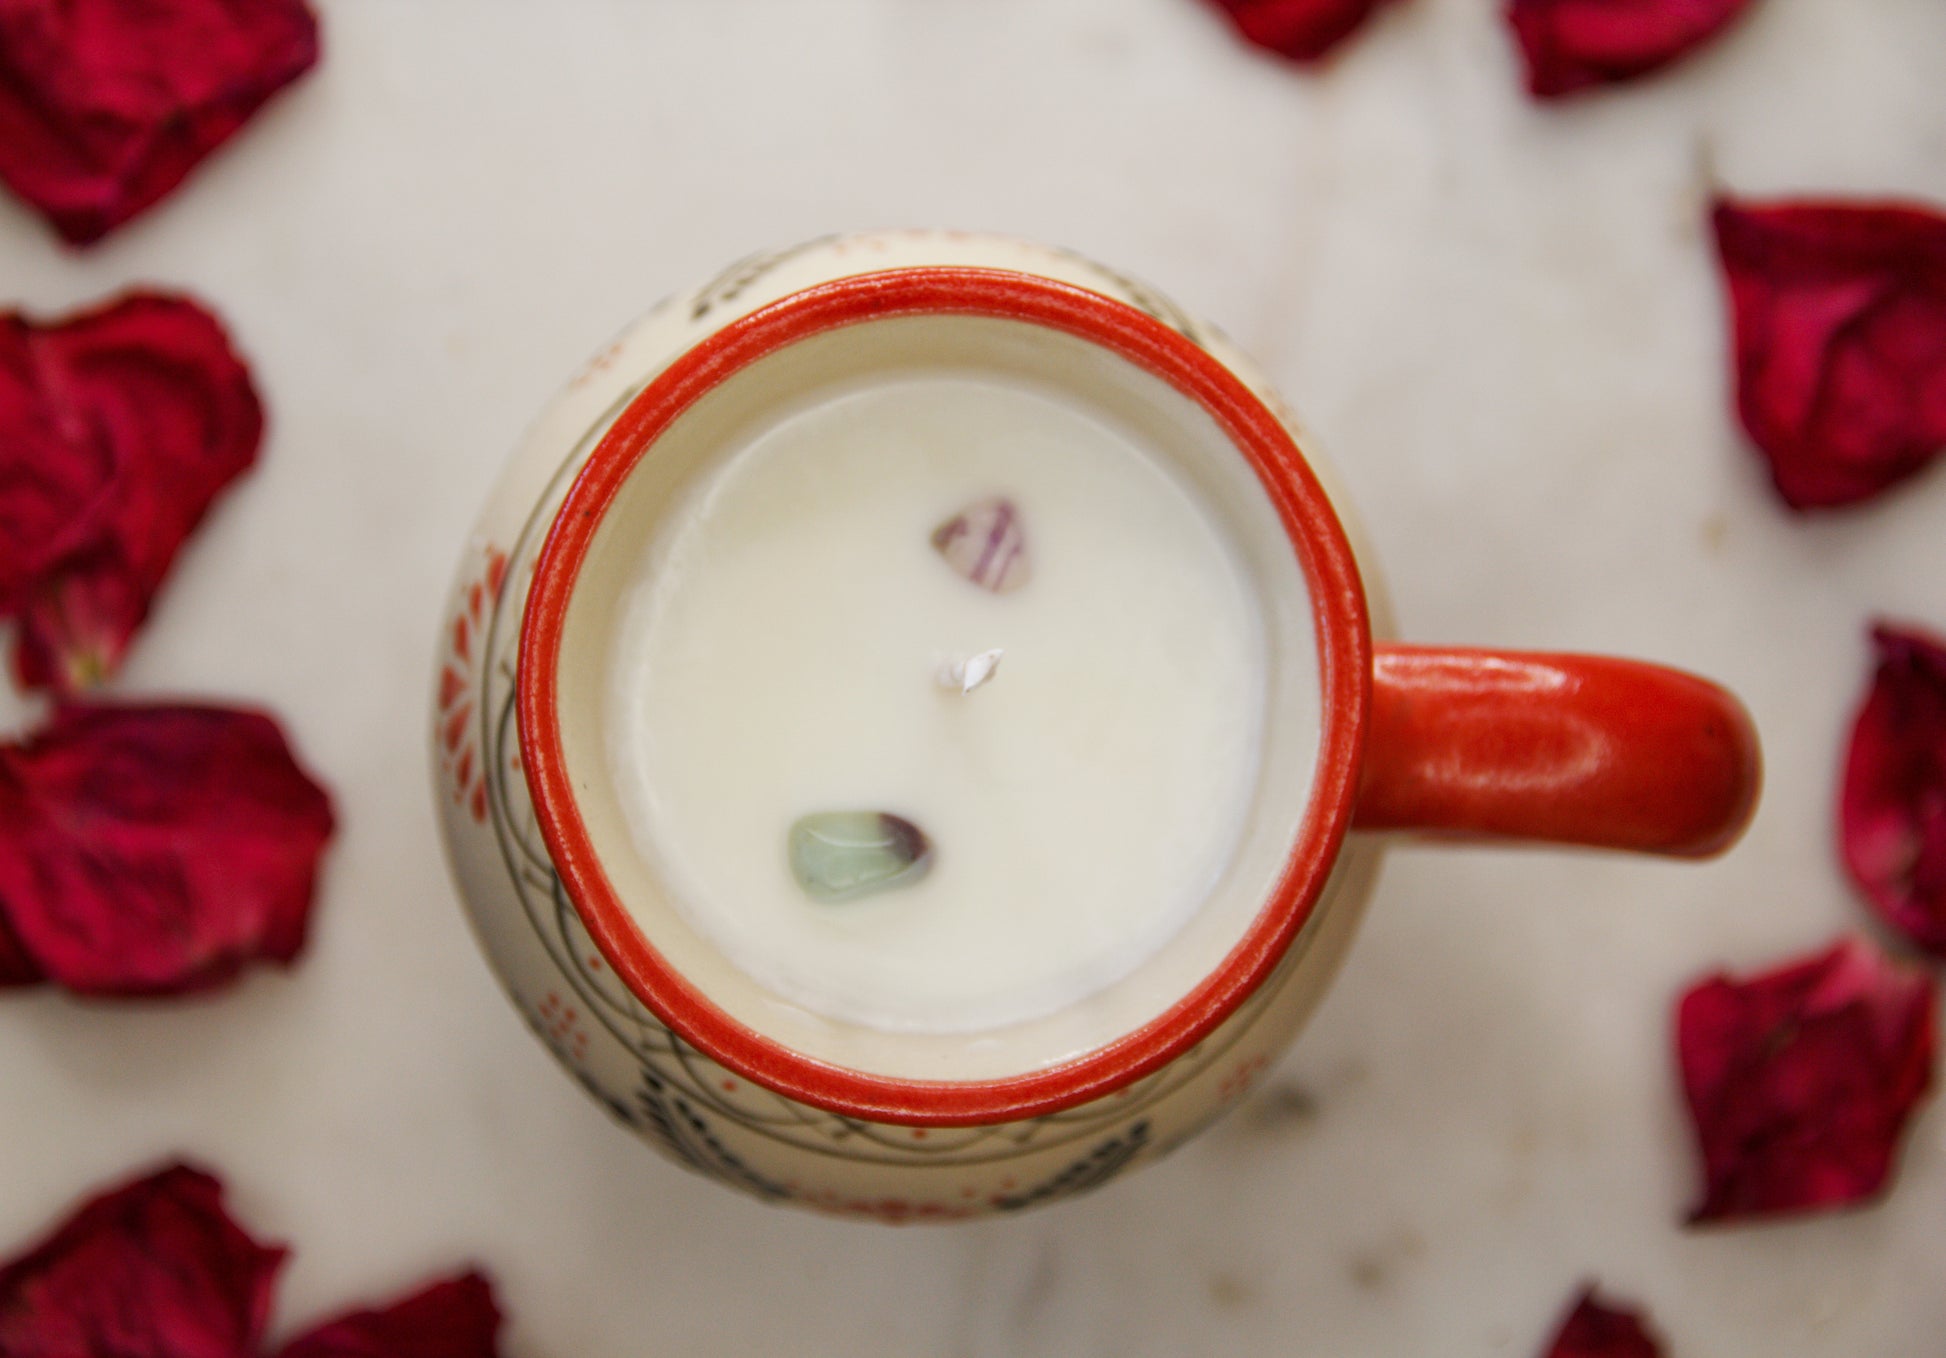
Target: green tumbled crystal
842,855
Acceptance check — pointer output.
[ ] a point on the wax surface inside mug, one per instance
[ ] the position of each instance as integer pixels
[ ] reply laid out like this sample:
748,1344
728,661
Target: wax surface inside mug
780,653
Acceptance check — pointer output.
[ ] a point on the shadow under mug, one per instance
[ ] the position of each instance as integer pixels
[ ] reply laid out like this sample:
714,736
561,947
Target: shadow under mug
710,1066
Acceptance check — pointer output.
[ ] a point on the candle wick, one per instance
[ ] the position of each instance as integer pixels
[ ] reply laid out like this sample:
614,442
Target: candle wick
968,674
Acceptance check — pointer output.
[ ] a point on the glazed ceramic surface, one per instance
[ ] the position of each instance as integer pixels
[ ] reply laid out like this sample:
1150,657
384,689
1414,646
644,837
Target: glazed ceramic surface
651,1079
677,1045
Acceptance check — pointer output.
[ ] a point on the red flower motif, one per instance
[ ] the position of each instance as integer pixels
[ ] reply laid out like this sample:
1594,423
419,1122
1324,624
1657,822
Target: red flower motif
1800,1080
1238,1081
152,1269
1893,806
1593,1330
117,430
106,104
460,675
1839,312
154,850
561,1027
1573,45
456,1318
1303,30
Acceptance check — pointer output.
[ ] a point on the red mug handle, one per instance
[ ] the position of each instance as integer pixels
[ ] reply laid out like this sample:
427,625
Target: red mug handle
1563,749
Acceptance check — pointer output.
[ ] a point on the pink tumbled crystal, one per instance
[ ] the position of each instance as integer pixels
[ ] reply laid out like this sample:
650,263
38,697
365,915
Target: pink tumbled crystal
986,544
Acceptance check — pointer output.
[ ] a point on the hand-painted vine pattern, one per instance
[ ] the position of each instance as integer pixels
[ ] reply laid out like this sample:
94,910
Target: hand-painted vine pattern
741,276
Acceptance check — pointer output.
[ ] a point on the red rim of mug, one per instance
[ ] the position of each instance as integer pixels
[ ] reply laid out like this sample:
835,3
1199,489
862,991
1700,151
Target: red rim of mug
1344,649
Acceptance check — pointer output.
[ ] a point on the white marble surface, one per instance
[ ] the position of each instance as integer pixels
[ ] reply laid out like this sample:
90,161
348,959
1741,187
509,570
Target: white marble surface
1505,322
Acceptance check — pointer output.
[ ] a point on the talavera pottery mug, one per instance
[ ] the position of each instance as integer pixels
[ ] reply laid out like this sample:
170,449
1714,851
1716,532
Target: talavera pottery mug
690,1053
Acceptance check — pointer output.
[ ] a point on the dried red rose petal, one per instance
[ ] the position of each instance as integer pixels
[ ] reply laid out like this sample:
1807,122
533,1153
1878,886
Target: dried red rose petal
157,1269
1800,1080
1893,806
153,1269
117,430
1592,1329
106,104
1302,30
1839,313
156,850
16,967
1573,45
51,486
456,1318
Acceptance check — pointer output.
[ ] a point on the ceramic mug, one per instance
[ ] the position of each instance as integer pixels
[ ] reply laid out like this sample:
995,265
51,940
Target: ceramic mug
686,1051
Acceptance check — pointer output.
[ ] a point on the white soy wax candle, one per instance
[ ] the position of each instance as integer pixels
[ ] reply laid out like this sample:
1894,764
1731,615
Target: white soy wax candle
783,655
